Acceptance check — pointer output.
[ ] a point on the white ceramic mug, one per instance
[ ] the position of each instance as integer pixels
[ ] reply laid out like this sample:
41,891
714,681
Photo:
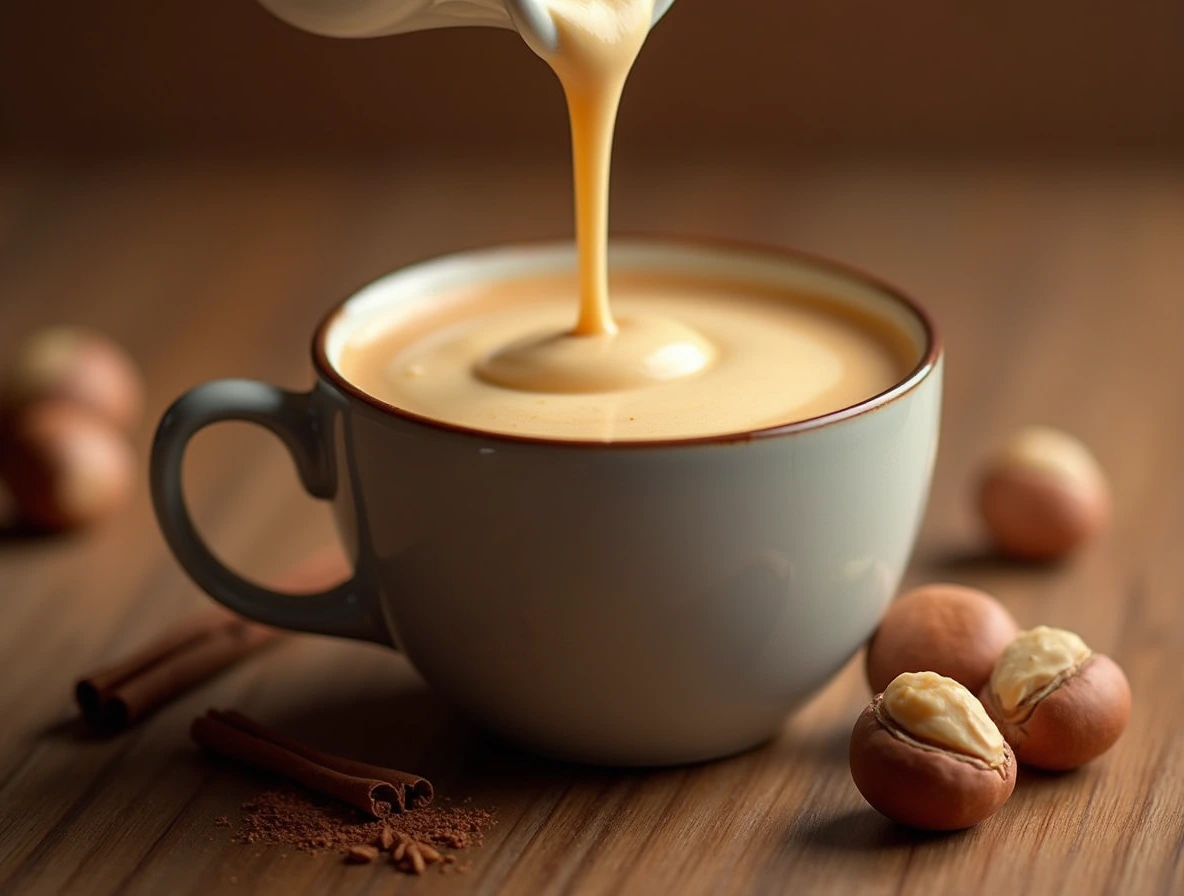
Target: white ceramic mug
625,603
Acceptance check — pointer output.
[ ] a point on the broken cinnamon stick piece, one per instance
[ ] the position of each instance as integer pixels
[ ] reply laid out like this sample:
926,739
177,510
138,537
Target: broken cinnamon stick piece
372,789
114,698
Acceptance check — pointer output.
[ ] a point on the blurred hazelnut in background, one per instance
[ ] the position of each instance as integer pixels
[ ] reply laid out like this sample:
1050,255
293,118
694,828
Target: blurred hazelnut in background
76,365
69,399
1042,495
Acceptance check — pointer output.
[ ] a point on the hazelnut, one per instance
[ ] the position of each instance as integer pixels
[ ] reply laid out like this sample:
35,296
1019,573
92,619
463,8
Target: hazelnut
1042,495
926,754
952,630
65,465
75,365
1058,703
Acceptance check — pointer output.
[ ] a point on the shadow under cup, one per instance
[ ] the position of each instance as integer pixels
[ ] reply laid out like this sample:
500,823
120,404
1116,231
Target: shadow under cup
632,603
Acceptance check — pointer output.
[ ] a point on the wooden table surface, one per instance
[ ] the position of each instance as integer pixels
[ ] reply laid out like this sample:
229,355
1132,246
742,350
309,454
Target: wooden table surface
1060,290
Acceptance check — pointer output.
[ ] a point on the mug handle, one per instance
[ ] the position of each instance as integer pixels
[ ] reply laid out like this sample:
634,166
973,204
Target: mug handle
292,417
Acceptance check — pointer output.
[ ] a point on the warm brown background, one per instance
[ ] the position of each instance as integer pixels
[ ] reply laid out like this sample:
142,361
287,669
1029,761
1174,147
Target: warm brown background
1057,77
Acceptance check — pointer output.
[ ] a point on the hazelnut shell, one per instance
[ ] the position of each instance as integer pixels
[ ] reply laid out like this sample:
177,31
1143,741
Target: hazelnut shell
1077,722
952,630
76,365
1034,515
926,788
65,465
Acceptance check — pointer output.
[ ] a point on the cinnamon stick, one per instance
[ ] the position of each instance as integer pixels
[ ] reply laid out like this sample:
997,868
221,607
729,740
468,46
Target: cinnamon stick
112,699
373,789
116,697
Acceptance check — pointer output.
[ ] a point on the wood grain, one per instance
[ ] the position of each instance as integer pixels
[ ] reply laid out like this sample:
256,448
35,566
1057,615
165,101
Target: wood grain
1059,292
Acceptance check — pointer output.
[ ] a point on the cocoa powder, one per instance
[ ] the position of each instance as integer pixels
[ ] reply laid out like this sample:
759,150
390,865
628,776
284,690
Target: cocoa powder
314,824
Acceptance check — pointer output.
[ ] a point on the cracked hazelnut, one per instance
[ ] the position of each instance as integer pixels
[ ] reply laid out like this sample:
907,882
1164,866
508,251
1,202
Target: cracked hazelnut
1043,495
952,630
926,754
1058,703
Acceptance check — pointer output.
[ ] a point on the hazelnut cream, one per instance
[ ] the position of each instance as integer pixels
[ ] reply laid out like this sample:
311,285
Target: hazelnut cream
776,358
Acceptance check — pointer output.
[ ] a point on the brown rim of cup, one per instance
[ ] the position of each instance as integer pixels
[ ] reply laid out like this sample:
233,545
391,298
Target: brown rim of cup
929,357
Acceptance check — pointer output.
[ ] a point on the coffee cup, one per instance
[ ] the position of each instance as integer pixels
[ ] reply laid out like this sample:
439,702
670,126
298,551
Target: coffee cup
630,603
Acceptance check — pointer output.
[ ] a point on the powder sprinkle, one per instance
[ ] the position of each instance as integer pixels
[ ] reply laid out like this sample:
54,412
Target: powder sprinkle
311,823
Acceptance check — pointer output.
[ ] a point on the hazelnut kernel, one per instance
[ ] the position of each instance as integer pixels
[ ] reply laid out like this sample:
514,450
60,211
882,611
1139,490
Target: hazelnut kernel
937,710
1058,704
925,753
1033,665
1042,495
952,630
